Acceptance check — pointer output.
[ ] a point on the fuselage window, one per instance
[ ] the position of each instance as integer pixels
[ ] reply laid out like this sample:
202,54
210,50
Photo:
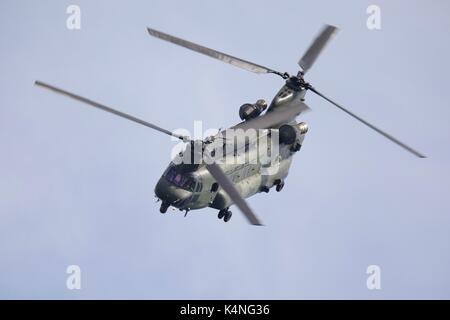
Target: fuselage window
199,187
180,180
214,187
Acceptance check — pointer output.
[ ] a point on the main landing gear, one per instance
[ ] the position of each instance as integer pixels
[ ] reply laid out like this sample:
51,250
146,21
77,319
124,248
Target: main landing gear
225,214
279,185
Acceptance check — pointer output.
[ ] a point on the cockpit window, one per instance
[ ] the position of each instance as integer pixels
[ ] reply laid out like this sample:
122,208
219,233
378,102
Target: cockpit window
181,180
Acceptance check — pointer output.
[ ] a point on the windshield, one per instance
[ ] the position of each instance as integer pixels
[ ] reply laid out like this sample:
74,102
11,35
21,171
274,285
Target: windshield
184,181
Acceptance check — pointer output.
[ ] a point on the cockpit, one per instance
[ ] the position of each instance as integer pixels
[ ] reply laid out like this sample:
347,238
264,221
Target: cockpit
182,180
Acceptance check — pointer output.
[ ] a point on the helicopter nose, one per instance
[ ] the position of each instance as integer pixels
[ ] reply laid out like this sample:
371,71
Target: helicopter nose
170,194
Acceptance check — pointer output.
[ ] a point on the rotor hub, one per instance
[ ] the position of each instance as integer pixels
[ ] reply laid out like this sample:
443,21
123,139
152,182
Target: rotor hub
297,83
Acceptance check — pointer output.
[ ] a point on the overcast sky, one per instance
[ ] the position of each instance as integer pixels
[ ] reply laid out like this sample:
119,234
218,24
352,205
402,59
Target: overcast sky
76,184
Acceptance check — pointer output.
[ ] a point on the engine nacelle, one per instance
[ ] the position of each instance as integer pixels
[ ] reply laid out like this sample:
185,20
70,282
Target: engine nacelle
287,134
290,134
249,111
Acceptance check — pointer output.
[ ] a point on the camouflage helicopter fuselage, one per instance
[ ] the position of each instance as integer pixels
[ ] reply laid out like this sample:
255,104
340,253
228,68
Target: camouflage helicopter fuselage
187,187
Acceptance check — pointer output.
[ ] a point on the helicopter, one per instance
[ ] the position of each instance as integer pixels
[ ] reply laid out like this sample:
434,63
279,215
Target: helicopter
199,178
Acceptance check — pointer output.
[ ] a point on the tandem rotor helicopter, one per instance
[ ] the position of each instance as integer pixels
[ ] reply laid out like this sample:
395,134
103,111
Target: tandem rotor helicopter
217,184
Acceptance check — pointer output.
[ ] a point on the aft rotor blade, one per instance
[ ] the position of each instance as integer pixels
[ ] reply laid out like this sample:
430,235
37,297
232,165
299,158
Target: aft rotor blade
386,135
231,190
107,109
274,118
244,64
316,47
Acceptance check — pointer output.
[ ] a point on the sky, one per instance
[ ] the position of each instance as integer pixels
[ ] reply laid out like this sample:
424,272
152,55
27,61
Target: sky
76,184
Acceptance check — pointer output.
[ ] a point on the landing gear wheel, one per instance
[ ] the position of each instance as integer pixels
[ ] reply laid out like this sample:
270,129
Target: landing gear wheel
222,213
280,186
227,216
296,147
164,207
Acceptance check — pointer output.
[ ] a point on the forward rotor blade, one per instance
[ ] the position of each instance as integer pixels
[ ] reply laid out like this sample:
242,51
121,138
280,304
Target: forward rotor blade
107,109
247,65
231,190
386,135
316,47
